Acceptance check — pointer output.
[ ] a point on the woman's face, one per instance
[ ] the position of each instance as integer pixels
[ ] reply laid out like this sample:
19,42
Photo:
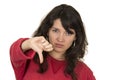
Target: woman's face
59,38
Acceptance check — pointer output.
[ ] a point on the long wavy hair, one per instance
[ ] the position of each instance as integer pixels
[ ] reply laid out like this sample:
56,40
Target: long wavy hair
70,19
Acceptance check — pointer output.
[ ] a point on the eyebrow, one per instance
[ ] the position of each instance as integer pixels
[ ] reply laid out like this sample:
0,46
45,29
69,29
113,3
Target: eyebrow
69,31
54,28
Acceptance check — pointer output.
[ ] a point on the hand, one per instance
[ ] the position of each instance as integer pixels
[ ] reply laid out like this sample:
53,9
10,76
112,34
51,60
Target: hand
38,44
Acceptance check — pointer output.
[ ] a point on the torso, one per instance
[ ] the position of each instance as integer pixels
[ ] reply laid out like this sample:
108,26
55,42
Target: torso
55,71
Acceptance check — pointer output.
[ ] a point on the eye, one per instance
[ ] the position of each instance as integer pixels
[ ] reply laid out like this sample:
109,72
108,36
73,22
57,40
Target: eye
55,30
69,33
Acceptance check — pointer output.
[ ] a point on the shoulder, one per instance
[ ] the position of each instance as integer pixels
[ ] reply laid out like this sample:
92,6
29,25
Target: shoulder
20,40
82,66
84,71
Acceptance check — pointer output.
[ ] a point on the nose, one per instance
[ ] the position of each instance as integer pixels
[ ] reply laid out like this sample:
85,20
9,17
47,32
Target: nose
61,37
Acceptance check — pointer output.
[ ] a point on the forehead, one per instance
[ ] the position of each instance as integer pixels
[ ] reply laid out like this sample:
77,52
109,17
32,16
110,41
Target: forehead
58,25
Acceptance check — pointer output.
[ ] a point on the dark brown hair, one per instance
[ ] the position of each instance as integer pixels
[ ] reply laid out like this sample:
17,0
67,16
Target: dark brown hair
70,18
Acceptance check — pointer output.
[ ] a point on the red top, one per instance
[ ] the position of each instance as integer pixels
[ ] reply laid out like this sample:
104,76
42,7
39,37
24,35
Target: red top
25,70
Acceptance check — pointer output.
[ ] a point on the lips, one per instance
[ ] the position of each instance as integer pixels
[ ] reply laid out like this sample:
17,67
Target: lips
58,45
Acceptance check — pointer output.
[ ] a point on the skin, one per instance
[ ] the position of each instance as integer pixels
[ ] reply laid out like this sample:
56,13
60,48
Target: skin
60,39
59,42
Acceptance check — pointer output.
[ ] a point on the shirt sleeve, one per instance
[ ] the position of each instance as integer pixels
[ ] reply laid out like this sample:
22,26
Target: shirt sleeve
90,75
19,59
84,72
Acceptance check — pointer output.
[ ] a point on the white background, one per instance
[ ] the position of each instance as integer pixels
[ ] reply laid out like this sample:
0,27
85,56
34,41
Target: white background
20,18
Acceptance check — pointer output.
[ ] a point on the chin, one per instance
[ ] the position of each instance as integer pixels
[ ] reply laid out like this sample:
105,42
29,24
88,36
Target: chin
59,50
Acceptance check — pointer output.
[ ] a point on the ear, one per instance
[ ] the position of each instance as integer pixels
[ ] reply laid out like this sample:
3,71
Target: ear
74,38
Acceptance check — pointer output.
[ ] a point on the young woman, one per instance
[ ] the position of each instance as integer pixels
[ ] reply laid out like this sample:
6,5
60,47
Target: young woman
55,50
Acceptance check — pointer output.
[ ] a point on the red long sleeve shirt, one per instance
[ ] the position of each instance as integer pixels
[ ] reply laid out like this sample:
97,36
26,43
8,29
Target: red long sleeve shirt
26,69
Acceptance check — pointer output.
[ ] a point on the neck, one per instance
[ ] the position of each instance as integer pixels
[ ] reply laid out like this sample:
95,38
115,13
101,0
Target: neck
57,56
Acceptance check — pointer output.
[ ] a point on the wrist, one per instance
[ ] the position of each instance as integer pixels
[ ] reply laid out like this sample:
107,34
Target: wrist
25,45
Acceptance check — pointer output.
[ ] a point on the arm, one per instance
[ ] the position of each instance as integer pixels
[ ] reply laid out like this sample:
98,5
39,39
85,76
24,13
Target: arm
24,49
38,44
16,52
21,49
18,59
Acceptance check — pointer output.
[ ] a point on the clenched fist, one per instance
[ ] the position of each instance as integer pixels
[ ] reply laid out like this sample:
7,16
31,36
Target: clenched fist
38,44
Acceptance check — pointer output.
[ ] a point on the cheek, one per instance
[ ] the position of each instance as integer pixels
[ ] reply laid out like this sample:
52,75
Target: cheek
51,39
69,42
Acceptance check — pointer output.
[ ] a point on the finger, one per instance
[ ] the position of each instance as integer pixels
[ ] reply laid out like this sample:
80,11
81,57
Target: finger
48,48
40,56
39,51
45,43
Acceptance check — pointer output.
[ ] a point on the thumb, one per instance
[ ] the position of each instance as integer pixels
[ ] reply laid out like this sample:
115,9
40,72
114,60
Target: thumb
40,56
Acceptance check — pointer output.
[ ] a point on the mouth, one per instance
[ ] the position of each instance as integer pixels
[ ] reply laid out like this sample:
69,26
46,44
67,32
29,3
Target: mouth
58,45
